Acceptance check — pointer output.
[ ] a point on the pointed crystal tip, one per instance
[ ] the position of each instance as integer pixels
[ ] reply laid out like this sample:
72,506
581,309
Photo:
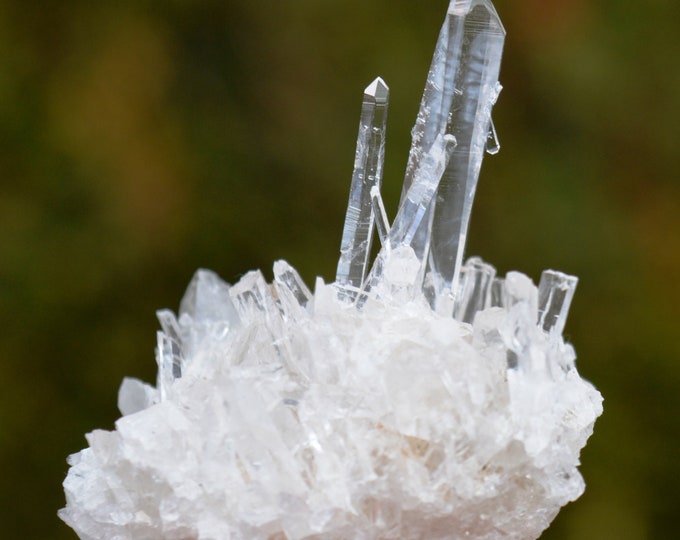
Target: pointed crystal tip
378,90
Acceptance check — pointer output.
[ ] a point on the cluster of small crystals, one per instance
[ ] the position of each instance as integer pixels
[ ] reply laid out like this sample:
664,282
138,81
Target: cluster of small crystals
414,398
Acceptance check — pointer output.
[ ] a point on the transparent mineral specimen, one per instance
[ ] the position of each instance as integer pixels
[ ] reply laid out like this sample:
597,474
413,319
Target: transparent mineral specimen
413,398
368,166
462,87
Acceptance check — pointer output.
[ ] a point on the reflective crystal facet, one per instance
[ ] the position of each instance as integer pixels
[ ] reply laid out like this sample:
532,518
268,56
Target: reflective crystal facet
368,166
381,221
555,293
475,289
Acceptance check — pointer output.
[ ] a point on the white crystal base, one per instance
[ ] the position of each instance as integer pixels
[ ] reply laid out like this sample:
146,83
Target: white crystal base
299,416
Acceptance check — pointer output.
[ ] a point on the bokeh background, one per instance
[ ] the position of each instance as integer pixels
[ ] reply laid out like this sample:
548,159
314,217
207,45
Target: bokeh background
140,140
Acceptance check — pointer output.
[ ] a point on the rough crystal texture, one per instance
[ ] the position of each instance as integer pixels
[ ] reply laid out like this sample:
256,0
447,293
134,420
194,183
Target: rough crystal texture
305,418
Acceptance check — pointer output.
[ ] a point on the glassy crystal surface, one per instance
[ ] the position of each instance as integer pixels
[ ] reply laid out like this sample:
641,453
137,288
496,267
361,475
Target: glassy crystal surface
207,299
475,289
368,166
381,221
461,88
493,145
555,293
170,363
288,278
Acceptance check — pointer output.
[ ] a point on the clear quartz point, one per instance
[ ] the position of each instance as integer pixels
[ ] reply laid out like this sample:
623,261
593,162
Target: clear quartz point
170,363
493,145
251,295
555,293
475,289
461,88
368,167
289,284
207,300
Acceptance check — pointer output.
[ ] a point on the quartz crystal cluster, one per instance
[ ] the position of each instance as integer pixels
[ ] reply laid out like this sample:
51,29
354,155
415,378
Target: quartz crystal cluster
416,397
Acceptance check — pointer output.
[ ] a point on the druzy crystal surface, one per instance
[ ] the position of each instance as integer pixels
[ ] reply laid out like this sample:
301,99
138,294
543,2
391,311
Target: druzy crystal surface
415,397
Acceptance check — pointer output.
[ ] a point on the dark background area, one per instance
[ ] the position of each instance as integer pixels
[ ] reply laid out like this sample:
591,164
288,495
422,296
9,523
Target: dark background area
140,140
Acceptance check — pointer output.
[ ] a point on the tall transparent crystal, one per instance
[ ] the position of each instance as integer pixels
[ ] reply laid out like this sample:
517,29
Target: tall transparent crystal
357,233
461,88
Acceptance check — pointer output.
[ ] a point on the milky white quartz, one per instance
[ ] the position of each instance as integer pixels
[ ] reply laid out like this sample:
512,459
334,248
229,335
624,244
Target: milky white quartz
299,416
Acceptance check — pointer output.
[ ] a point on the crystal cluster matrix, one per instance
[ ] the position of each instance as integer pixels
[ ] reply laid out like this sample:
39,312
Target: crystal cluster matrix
416,397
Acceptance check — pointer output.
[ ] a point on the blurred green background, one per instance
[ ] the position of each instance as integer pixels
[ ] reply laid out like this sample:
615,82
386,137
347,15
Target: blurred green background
142,139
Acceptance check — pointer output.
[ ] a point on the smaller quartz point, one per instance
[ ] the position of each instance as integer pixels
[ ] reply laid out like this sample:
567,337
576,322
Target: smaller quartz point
289,283
169,324
170,354
207,300
357,233
206,312
493,145
381,221
555,293
251,295
475,289
170,363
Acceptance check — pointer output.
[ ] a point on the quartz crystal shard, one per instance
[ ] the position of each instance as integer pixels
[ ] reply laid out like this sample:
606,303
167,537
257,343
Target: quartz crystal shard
461,88
555,293
368,165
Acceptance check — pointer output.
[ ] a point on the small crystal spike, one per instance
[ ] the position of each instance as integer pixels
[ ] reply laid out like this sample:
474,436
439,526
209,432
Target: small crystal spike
207,300
287,278
475,289
381,222
461,88
251,295
555,293
170,363
493,145
368,167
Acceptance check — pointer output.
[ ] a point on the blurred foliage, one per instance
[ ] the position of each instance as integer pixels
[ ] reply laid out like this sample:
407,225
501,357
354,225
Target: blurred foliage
142,139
